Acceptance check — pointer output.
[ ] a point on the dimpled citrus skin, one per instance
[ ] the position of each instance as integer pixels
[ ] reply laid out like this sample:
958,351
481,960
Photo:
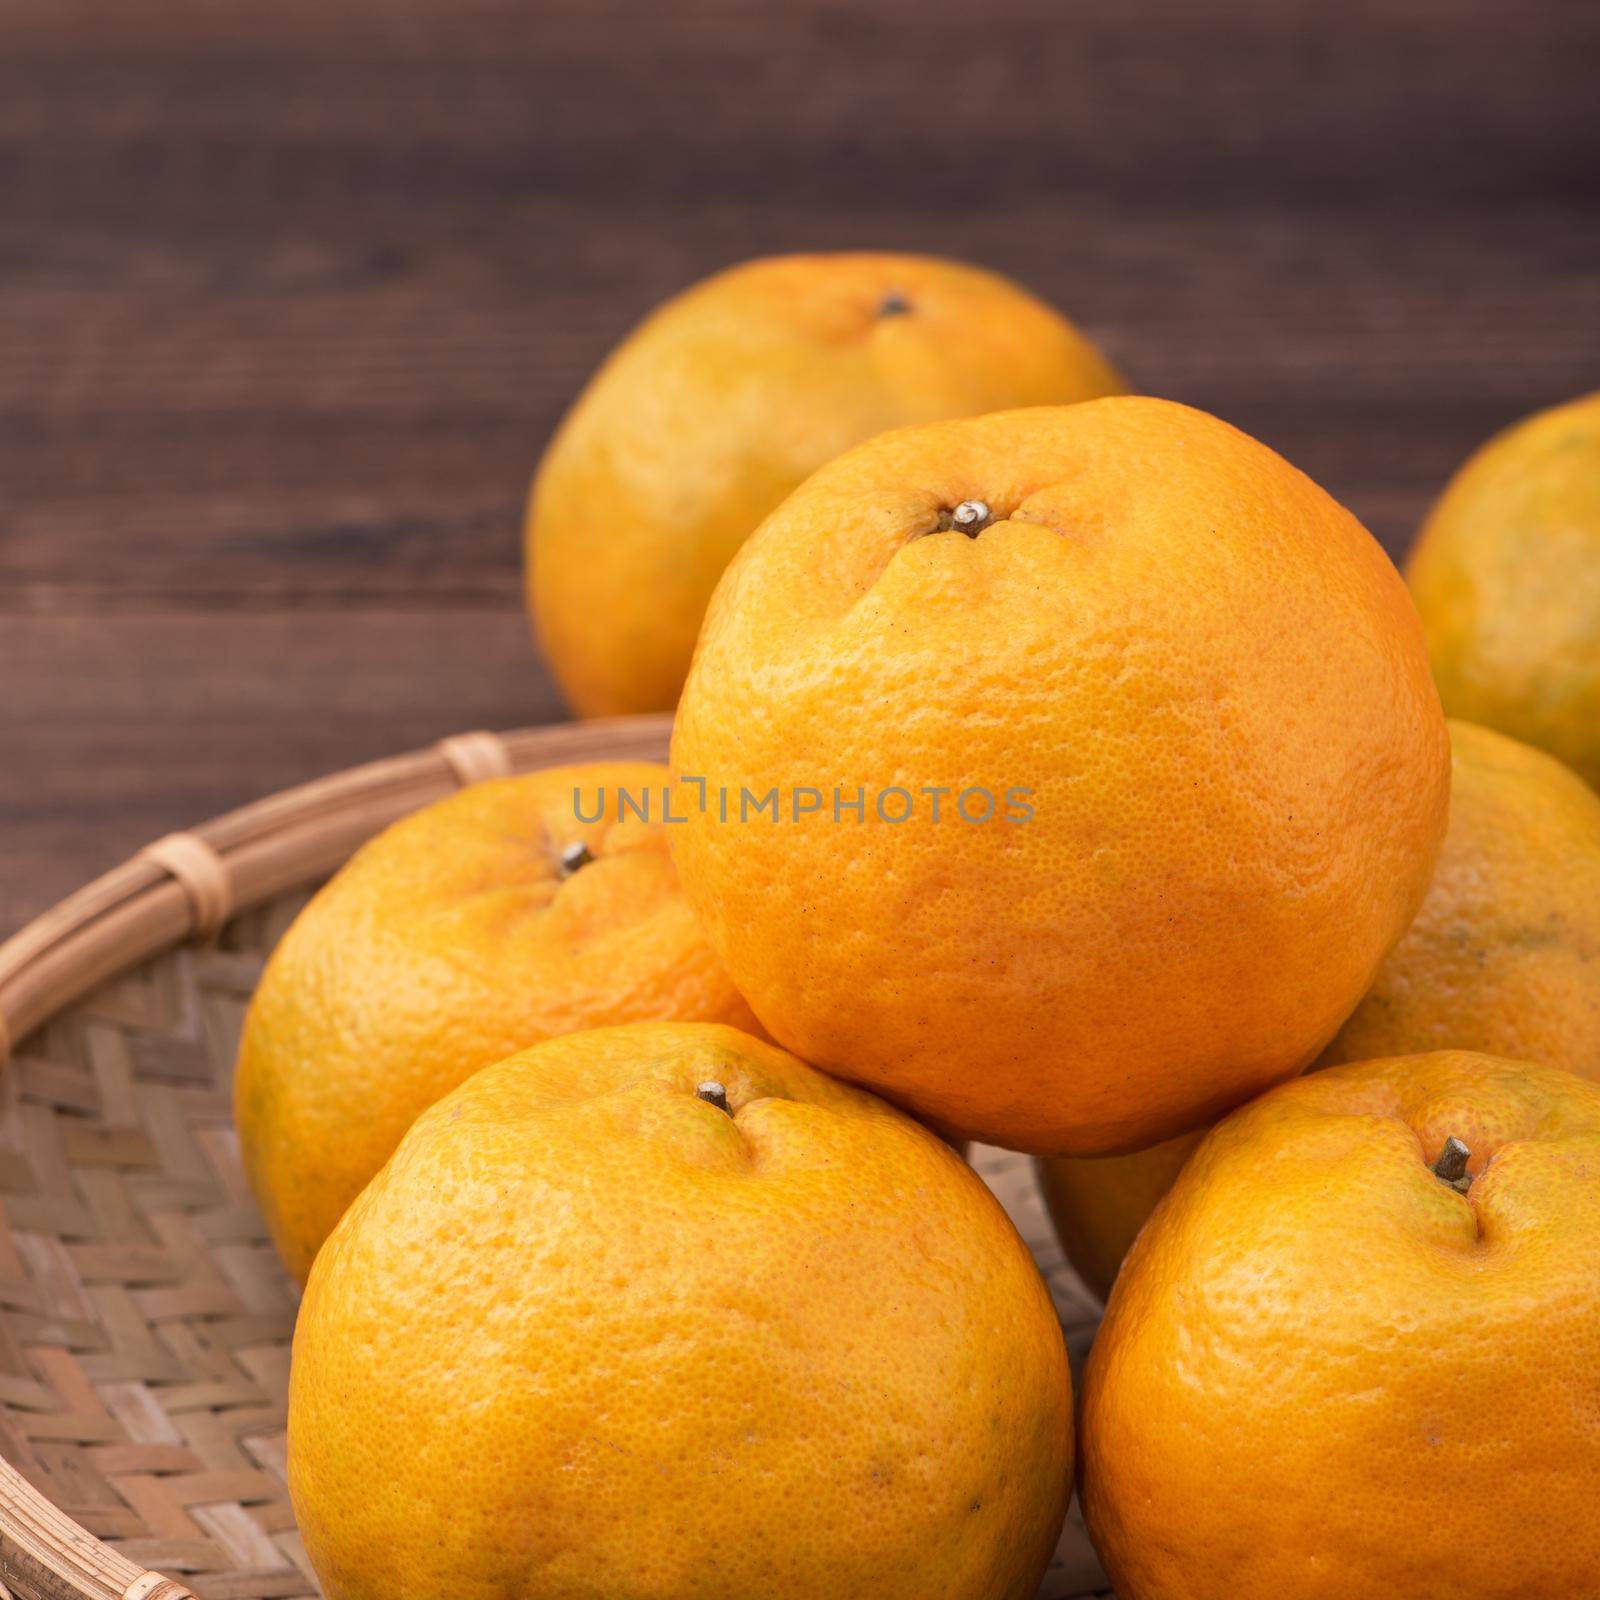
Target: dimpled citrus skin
721,402
1325,1373
449,941
1504,957
1506,574
1211,681
588,1336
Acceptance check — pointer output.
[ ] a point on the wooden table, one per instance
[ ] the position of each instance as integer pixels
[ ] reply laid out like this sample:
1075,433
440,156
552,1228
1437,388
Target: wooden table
292,294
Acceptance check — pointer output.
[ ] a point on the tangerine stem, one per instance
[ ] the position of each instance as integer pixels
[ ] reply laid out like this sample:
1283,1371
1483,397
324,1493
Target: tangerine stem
971,517
713,1094
1451,1166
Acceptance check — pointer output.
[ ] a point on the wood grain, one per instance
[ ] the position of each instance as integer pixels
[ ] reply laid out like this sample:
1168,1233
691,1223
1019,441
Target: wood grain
291,295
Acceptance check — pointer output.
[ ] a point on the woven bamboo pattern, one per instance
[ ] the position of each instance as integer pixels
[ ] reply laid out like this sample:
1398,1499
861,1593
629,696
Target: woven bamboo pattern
144,1319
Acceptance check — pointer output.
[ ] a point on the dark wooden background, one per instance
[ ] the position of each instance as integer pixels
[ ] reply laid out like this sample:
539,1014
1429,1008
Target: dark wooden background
291,295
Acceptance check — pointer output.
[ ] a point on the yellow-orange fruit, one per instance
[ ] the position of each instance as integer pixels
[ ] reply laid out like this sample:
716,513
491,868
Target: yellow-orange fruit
470,929
1327,1372
725,399
1099,1203
659,1310
1504,957
1506,574
1202,676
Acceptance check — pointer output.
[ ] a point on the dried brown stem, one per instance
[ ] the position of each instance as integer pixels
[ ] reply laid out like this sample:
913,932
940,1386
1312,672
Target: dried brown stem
713,1094
1451,1167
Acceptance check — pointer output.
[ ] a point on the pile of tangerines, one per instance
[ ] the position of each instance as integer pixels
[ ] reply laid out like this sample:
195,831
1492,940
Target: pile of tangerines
1052,767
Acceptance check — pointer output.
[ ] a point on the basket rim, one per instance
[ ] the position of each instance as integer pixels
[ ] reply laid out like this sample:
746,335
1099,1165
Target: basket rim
189,884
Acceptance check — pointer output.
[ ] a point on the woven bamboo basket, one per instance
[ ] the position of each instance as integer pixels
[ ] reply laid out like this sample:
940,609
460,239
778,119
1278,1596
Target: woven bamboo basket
144,1319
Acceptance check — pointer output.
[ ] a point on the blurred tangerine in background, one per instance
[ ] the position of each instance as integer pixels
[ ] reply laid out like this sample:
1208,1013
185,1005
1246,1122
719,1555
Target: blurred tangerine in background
1506,574
725,399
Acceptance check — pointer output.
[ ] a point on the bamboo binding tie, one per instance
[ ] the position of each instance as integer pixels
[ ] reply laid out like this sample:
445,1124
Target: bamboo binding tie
476,757
203,874
152,1586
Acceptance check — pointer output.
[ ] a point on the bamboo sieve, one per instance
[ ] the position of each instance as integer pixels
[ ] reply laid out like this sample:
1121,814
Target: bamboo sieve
144,1320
